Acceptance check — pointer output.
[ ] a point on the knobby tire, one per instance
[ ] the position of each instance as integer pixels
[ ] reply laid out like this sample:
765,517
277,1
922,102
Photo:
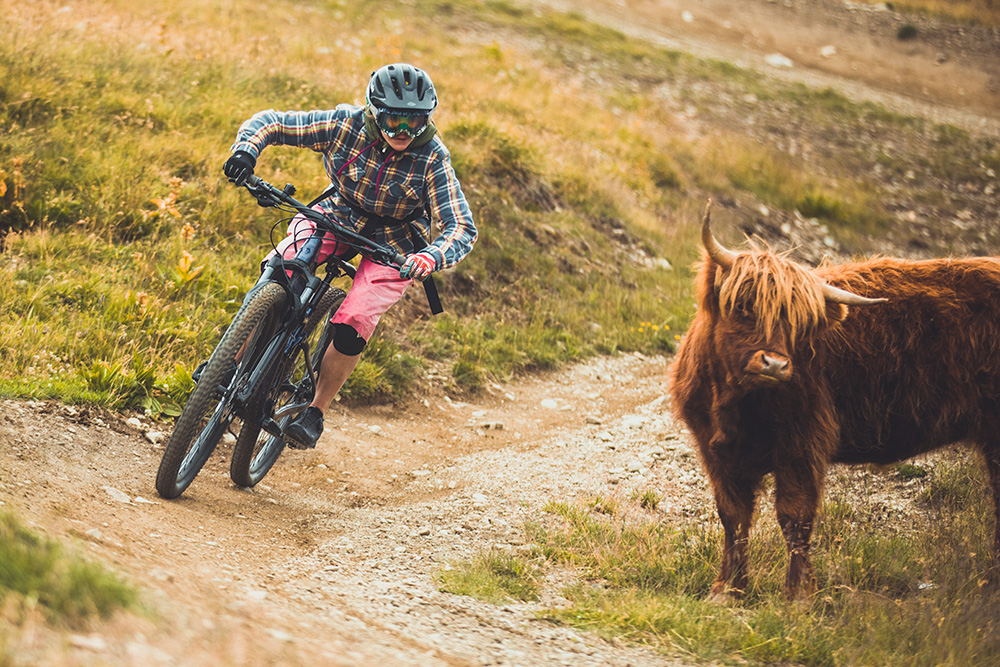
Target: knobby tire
256,450
209,410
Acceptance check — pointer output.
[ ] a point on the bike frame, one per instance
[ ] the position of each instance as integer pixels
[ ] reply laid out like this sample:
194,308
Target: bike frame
266,336
297,276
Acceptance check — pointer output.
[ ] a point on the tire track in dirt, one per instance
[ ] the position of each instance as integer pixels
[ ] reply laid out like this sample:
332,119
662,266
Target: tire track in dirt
331,559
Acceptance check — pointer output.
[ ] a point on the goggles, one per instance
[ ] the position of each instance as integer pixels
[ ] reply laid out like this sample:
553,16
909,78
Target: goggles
400,125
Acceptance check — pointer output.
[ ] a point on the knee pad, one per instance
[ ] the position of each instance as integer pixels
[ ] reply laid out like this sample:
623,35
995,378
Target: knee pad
346,340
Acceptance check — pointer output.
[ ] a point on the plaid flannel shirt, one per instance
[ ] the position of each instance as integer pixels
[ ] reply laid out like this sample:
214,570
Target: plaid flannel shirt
380,180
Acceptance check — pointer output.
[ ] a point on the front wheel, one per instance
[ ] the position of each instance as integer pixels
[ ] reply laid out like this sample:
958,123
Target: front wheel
209,409
256,450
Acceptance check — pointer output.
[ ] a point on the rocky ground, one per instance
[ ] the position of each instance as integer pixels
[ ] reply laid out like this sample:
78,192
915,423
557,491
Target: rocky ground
940,200
331,559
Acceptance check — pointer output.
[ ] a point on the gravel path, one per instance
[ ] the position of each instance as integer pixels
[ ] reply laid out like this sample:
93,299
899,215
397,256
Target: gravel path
332,558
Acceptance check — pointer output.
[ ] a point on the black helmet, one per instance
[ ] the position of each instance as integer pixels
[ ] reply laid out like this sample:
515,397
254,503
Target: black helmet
401,88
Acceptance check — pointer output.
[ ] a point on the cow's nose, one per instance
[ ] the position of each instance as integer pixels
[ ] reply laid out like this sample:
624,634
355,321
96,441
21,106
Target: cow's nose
770,365
775,367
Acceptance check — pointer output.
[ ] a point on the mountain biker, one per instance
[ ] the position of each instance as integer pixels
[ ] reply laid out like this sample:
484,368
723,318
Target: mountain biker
391,175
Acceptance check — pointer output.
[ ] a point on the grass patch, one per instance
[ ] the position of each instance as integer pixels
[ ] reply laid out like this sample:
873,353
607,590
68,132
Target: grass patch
126,254
494,576
38,573
888,594
974,12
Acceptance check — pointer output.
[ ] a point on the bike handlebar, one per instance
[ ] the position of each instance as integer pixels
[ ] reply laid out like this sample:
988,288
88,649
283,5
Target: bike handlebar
268,195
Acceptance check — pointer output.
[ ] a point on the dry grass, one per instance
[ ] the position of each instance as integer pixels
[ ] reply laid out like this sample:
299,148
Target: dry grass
975,12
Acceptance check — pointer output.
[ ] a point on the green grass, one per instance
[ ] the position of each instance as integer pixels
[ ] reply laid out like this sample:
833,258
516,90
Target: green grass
38,573
495,576
128,253
888,594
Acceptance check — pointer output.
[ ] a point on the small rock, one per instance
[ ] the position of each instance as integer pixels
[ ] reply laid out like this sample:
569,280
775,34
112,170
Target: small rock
634,421
828,51
778,60
155,437
132,421
88,642
117,495
280,635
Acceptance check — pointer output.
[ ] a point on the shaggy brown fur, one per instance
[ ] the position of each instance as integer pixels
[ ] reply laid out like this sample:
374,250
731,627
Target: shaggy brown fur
772,381
781,295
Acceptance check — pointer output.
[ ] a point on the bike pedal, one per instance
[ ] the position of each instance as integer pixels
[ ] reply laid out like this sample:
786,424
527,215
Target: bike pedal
271,426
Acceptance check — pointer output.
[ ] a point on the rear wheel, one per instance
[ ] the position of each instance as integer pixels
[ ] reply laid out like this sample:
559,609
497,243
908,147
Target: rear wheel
257,450
209,410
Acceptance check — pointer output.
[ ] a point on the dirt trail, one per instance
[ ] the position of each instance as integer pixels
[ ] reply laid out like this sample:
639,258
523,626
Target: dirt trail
946,73
330,560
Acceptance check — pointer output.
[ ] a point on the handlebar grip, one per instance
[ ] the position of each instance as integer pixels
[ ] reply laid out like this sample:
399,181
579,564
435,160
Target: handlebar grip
398,259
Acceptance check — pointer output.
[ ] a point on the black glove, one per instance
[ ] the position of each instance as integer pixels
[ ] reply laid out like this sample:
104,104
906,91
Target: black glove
239,166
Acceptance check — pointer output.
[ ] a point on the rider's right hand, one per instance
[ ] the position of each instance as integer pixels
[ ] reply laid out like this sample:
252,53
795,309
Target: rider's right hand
239,166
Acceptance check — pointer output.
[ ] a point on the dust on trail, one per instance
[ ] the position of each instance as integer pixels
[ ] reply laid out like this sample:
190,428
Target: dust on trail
331,559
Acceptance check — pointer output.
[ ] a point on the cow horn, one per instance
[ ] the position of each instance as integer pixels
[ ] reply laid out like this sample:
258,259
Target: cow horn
719,254
837,295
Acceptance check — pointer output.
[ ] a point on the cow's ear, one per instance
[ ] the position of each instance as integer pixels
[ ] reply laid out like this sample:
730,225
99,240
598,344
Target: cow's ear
836,312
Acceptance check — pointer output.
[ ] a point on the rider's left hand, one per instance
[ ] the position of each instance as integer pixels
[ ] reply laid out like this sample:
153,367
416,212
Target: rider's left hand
417,266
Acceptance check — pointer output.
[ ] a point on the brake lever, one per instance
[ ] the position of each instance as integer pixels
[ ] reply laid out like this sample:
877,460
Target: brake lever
256,186
265,200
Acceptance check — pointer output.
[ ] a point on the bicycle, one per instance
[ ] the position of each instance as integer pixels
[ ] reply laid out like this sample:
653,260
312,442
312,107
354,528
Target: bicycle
275,344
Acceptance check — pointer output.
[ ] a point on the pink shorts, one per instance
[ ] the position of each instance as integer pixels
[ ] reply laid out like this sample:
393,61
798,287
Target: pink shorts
375,289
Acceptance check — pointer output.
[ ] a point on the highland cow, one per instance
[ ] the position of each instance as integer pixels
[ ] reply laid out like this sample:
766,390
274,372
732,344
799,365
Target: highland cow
787,369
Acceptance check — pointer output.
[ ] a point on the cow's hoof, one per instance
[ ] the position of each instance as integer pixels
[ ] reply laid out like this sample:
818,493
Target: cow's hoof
719,598
724,595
